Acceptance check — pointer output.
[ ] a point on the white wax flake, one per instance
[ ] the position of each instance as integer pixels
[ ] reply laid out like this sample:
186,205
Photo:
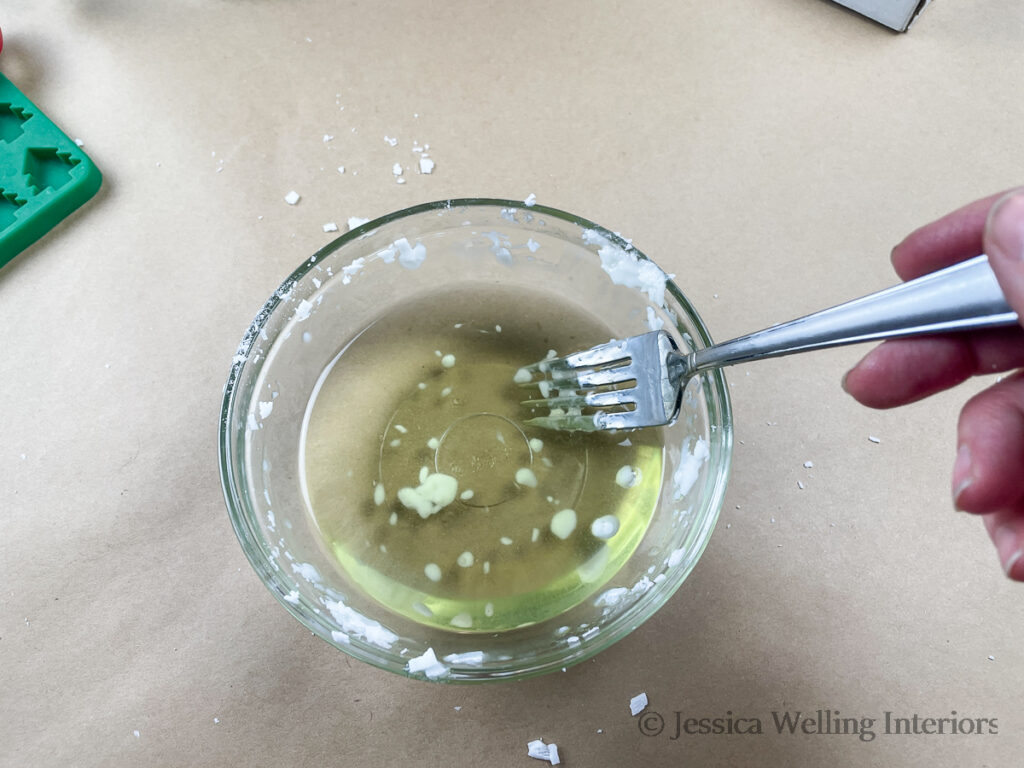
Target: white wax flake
393,518
487,566
800,485
292,197
610,597
265,408
465,560
497,329
676,557
688,470
341,169
553,756
563,523
462,621
533,245
991,658
874,439
433,443
395,443
638,704
446,391
489,610
466,658
506,541
424,473
351,270
411,256
303,310
605,527
422,609
530,201
466,495
434,493
428,664
328,137
536,444
401,429
538,750
330,226
355,221
448,361
391,141
292,597
547,462
432,571
627,269
627,476
355,624
307,571
421,385
525,476
522,376
307,337
654,322
397,169
79,142
378,494
136,734
426,164
808,465
216,720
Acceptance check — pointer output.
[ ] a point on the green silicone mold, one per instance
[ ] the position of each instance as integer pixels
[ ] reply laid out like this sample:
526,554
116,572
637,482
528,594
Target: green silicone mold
44,175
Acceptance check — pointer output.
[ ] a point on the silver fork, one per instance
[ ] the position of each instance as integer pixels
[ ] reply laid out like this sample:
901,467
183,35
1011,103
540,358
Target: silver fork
639,381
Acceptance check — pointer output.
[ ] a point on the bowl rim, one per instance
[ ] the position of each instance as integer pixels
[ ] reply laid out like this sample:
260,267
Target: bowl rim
719,416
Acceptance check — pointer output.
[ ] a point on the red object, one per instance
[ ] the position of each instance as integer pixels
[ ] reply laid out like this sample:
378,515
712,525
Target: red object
1,40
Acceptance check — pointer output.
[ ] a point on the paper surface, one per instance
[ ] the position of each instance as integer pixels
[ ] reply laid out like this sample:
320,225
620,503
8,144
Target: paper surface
767,154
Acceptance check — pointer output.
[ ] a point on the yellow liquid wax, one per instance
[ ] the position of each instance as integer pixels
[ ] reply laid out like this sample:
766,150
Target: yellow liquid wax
420,407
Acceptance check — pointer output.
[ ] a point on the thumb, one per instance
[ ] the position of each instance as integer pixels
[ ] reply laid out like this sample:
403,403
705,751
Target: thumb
1004,244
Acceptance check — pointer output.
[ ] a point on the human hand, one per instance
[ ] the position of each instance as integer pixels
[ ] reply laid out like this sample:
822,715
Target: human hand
988,473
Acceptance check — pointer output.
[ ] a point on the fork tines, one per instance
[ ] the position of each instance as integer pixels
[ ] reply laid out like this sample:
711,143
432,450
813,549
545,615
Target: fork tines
585,391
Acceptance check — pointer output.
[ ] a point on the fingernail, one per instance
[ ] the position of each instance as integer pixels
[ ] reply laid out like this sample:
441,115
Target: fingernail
1005,539
1005,228
843,382
961,473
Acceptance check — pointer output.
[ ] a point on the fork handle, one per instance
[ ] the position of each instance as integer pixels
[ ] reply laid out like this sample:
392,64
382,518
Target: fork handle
965,296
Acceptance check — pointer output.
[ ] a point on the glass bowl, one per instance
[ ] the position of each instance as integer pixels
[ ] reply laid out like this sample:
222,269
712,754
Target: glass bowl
458,248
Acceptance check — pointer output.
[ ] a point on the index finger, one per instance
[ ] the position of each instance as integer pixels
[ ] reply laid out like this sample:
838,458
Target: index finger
954,237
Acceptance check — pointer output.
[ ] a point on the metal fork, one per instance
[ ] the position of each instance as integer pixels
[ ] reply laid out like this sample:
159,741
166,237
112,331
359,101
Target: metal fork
639,381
